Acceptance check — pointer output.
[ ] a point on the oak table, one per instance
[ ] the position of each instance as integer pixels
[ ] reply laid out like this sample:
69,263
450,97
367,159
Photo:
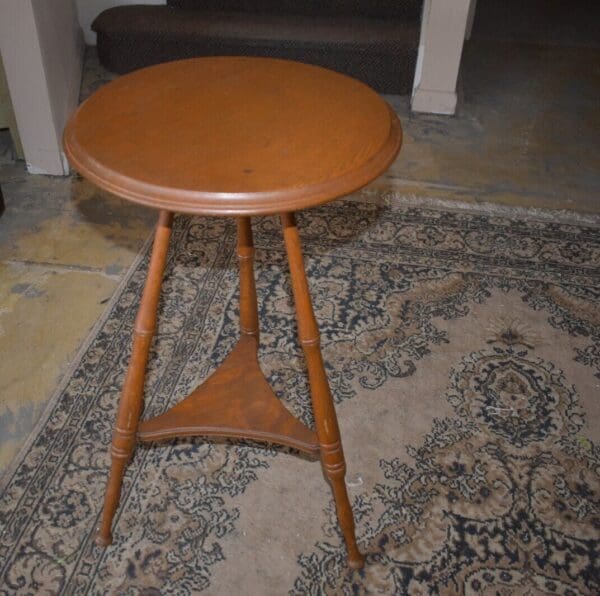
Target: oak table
235,137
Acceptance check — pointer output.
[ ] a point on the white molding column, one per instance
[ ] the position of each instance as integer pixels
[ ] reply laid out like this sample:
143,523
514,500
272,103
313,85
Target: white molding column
443,29
470,19
42,50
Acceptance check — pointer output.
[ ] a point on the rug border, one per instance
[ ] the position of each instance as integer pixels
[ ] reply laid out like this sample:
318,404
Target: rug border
7,475
396,198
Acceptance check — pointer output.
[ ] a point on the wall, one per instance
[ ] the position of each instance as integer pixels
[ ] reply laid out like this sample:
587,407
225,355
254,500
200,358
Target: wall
89,9
42,51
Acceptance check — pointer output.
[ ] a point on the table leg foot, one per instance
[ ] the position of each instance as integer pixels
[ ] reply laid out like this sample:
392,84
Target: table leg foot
332,455
130,404
103,540
346,519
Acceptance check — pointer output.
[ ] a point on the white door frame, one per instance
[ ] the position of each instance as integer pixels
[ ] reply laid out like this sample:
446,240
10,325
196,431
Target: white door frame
443,28
42,50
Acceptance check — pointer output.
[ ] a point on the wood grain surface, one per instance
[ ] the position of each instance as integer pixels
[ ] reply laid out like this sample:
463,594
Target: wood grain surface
234,402
232,136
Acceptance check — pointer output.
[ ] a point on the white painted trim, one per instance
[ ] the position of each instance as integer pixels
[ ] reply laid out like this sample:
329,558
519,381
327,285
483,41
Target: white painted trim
421,53
26,79
443,26
434,102
470,19
42,50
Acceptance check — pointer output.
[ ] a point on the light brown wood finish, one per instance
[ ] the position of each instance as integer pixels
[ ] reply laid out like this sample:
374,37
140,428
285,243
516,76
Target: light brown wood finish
328,432
248,301
242,137
236,400
232,136
130,404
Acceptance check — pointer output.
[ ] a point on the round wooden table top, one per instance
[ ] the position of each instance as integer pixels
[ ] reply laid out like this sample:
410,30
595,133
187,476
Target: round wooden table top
232,136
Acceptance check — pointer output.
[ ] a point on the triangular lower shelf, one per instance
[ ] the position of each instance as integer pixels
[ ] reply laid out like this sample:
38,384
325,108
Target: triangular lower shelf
236,401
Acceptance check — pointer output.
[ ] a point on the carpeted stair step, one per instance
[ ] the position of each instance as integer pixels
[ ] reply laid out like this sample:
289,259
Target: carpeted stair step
374,42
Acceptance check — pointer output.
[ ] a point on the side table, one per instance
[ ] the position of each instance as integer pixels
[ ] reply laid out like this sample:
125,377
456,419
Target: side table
238,137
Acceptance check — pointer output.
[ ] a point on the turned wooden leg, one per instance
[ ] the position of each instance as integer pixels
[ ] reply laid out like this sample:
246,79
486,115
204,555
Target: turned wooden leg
130,405
248,302
332,455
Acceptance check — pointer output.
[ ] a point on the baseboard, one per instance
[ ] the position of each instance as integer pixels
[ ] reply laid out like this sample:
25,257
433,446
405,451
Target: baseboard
434,102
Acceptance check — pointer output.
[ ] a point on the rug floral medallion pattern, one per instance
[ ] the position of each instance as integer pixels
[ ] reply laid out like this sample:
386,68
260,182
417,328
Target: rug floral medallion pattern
463,353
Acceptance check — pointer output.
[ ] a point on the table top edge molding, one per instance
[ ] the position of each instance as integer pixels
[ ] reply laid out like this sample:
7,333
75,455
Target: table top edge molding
195,202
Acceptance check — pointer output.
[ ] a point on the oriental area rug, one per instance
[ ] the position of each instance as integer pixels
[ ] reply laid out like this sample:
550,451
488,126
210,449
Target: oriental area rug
463,351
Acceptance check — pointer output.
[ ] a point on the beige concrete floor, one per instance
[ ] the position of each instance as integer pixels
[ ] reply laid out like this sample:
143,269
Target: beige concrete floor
526,134
527,131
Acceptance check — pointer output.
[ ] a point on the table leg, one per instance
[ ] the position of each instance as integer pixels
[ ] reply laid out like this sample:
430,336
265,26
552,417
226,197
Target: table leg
130,404
332,455
248,302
